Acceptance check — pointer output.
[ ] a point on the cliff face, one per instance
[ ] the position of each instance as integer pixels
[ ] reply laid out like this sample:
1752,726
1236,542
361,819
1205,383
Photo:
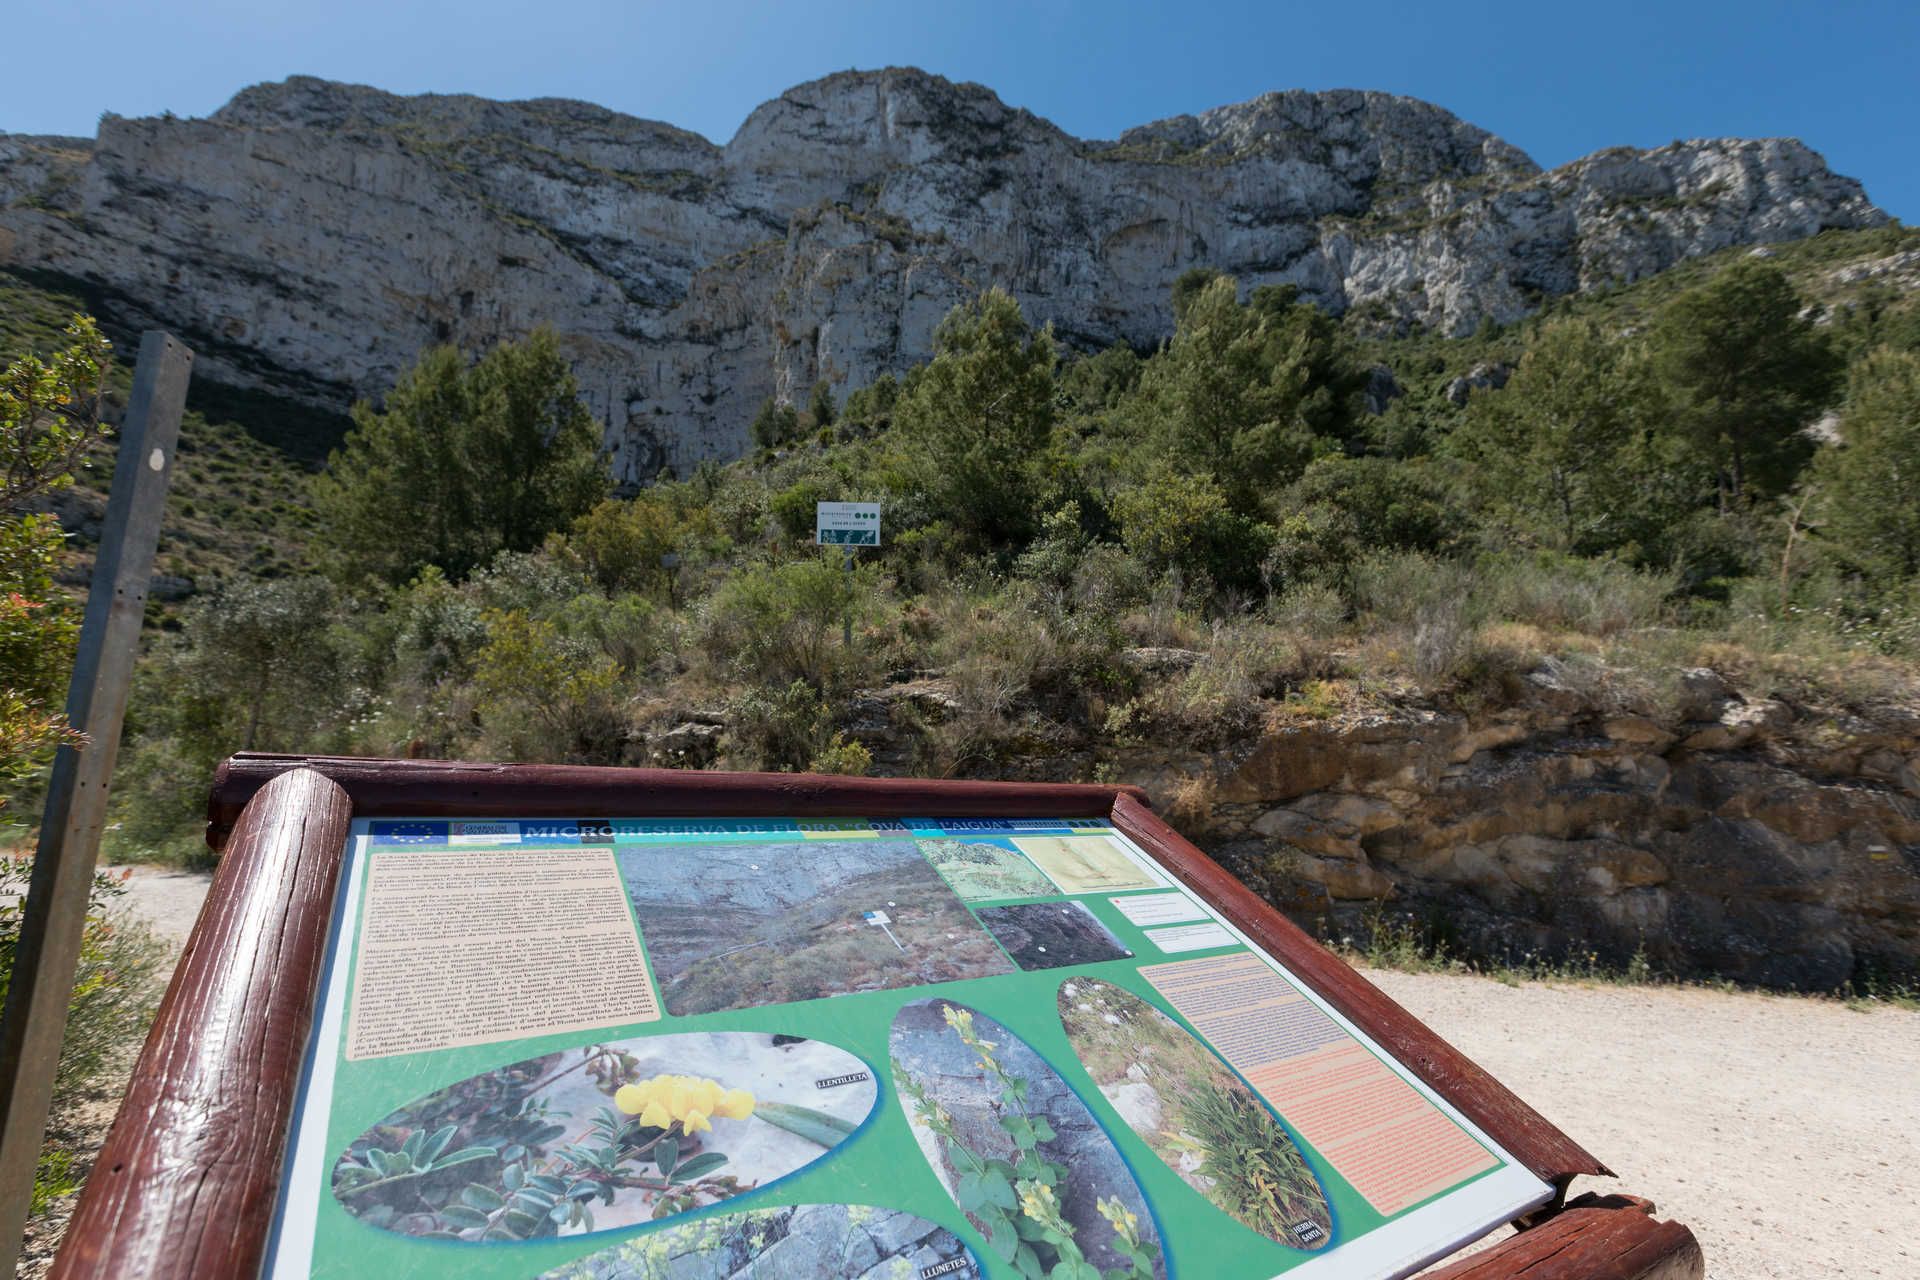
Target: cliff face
313,236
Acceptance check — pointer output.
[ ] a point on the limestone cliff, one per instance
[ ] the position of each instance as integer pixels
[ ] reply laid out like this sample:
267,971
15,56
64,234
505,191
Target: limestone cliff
313,236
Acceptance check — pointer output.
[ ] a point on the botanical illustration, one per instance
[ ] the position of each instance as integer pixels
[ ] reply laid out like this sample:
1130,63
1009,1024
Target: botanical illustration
1019,1153
605,1135
1051,935
983,870
793,1242
1195,1113
734,926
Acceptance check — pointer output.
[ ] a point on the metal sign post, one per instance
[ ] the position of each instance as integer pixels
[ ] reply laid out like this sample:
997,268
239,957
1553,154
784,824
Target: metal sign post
883,920
847,525
56,909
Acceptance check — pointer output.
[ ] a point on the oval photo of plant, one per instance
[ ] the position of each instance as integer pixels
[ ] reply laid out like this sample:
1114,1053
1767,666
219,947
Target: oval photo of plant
1018,1151
1197,1115
792,1242
604,1135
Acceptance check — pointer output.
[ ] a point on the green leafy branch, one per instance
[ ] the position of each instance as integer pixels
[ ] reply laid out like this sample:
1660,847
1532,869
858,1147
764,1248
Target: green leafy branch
1017,1202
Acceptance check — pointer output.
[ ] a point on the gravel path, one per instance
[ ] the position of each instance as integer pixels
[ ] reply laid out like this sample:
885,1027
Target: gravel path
1782,1130
168,902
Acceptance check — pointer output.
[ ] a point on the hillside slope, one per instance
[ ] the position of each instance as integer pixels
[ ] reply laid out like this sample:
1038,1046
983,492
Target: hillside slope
311,237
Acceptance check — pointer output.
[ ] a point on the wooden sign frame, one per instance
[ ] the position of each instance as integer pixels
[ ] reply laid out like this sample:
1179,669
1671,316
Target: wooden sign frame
188,1180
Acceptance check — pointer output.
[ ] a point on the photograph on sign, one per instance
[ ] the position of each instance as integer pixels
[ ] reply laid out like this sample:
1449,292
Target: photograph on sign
983,1048
850,524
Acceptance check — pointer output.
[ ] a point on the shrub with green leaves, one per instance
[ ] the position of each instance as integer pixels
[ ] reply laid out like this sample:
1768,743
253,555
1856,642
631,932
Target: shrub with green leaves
775,624
116,987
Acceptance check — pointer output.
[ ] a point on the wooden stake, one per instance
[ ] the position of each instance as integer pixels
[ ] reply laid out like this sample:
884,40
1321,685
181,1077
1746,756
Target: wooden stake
56,908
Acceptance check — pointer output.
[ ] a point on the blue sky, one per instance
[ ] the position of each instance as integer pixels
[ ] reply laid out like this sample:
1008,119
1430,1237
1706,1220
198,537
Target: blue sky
1558,80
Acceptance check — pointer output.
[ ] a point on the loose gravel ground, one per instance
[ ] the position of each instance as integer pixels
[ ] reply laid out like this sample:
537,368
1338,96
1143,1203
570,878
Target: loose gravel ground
1784,1131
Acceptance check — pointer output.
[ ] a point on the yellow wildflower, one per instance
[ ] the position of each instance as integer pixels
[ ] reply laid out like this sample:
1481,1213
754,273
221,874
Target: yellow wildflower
689,1101
1126,1224
1037,1199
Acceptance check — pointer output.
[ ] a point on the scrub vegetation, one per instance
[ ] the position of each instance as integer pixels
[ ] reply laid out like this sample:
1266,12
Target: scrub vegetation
1276,515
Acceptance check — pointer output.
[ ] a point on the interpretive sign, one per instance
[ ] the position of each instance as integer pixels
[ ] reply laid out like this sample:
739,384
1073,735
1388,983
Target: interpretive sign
629,1049
432,1023
847,524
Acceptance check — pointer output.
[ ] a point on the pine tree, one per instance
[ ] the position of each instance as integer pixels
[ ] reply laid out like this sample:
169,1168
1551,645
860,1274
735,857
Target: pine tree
462,462
1747,372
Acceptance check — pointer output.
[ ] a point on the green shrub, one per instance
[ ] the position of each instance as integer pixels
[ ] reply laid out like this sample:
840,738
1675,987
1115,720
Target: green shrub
790,729
625,545
1596,597
545,696
775,424
1183,523
1396,587
780,623
115,990
793,510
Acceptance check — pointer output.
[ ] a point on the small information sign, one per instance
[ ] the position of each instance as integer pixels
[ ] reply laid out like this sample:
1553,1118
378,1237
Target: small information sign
847,524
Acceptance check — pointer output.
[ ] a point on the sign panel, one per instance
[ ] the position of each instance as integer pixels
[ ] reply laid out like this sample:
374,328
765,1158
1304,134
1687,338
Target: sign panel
636,1049
851,524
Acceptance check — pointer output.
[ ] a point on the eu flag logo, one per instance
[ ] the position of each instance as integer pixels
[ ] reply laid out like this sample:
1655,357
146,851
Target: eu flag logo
409,833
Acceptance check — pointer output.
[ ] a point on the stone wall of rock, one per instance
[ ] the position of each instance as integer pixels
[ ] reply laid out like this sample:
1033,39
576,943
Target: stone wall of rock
1736,837
312,237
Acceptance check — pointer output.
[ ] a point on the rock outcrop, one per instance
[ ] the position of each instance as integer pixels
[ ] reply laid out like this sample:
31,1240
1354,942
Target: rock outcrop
312,237
1711,833
1732,836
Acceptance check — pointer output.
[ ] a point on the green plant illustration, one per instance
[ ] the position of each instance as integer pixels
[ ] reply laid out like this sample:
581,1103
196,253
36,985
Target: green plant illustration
1017,1203
528,1179
1195,1114
1258,1176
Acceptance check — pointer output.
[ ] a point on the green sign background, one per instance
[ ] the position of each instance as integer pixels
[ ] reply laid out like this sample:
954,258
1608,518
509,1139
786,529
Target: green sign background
881,1164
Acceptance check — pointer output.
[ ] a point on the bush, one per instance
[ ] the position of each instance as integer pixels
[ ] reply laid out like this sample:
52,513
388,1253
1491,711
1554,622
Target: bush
782,623
790,729
793,510
544,696
776,424
1396,587
624,545
1594,597
115,990
1182,523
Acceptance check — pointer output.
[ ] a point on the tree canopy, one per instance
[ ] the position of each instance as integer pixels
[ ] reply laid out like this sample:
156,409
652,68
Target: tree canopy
461,463
1748,371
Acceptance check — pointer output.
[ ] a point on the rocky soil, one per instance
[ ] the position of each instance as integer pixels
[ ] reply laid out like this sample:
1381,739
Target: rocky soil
311,237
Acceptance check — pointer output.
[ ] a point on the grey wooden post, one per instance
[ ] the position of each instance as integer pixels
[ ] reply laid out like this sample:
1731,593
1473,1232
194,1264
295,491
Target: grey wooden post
56,907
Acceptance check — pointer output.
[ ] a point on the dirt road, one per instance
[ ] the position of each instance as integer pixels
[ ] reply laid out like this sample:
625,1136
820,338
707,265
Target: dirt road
1782,1130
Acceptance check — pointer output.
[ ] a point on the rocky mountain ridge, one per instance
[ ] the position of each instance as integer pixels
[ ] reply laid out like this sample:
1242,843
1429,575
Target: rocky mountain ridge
311,237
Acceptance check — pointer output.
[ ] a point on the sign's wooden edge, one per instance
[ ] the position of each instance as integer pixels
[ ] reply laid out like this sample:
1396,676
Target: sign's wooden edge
423,788
1592,1238
188,1180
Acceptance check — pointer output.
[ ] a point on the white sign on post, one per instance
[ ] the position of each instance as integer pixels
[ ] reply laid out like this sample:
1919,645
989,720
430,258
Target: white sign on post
847,524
